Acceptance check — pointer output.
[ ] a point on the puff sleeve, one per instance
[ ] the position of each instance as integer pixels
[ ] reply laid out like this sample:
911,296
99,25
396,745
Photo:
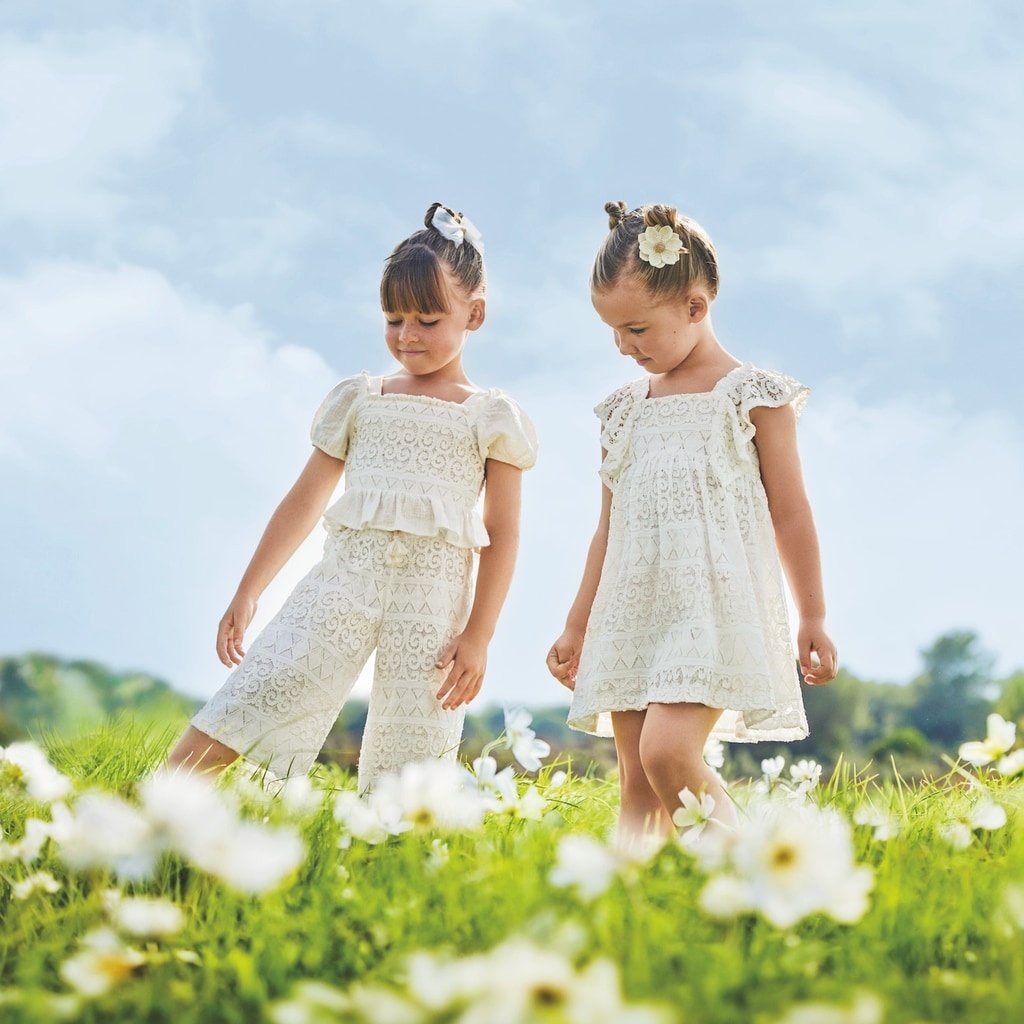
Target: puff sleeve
332,424
505,433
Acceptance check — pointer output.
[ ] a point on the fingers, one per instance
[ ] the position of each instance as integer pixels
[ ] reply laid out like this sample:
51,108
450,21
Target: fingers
464,690
229,641
819,664
562,664
460,687
465,662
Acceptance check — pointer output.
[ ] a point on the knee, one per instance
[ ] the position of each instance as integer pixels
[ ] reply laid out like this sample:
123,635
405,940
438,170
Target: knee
664,763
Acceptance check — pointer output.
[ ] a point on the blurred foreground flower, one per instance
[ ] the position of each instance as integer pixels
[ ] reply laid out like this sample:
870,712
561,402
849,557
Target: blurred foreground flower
514,983
143,916
866,1008
179,813
786,861
426,795
585,864
1012,764
714,752
26,765
999,739
41,881
983,813
102,962
883,823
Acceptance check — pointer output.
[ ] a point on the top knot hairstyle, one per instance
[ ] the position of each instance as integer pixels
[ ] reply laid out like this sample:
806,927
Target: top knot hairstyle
620,252
413,279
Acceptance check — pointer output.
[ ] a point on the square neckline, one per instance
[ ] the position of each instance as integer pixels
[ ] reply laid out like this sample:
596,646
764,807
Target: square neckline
648,397
377,389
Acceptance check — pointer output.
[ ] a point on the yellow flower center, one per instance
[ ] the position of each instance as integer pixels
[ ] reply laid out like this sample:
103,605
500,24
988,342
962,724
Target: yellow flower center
783,856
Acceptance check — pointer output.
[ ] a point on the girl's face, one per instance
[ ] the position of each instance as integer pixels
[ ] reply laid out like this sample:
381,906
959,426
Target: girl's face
430,344
658,336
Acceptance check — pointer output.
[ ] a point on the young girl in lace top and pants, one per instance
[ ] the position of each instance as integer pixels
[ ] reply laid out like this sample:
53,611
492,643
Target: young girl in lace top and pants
397,574
680,628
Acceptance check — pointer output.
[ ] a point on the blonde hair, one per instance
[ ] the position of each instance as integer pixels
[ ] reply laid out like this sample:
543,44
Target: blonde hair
412,278
620,252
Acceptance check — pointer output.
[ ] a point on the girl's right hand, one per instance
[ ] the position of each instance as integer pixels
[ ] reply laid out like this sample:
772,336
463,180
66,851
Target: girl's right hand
564,658
232,629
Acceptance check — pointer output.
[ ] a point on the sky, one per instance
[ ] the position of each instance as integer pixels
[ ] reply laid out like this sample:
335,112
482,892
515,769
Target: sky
196,199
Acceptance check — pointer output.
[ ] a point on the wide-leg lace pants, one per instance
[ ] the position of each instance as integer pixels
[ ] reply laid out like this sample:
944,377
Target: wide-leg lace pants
402,595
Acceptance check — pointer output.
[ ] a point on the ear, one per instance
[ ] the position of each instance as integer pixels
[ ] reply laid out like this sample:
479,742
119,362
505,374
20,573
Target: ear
697,307
477,312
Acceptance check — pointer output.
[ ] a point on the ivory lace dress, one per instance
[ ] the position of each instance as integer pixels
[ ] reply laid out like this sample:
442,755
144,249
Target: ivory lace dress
691,605
396,577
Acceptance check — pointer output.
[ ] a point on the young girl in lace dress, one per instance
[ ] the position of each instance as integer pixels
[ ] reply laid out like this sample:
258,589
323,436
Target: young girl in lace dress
680,627
396,577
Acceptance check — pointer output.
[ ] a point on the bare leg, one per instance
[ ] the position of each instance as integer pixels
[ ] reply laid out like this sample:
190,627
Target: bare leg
672,755
196,751
642,815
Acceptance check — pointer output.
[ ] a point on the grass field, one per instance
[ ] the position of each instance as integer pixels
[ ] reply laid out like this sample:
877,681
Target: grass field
486,897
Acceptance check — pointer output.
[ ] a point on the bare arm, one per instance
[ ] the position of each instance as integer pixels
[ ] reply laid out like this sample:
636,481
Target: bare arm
289,526
467,653
795,536
564,657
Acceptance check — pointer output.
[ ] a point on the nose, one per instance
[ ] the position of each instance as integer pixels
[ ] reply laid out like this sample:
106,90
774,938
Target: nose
624,345
408,330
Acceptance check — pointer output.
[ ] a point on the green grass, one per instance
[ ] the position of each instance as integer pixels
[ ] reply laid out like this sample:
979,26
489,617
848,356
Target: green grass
938,942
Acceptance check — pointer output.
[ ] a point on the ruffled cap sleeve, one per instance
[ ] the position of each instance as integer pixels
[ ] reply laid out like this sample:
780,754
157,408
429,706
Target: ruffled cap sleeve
332,424
756,387
505,433
616,416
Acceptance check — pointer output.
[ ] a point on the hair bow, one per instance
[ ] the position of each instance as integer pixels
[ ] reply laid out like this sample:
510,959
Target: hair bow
457,231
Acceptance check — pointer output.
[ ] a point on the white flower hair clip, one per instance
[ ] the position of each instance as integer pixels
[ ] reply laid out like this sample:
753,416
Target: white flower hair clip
660,245
457,231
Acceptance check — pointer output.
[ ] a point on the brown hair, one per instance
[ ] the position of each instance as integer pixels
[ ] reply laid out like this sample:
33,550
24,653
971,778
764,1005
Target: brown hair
413,279
620,252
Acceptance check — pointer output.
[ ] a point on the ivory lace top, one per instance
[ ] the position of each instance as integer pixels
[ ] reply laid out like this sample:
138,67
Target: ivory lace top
416,463
691,604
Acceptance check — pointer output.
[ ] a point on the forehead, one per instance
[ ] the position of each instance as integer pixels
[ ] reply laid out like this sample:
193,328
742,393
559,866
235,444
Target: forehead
626,302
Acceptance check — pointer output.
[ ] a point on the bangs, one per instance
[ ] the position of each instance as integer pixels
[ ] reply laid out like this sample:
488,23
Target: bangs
413,283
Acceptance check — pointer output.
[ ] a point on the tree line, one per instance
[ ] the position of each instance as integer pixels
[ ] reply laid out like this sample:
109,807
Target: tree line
913,725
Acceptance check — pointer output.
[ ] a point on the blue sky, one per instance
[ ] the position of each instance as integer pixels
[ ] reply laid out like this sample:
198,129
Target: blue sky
196,198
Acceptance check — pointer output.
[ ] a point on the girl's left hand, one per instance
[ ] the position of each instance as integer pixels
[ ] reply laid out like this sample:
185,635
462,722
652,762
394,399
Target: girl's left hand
467,656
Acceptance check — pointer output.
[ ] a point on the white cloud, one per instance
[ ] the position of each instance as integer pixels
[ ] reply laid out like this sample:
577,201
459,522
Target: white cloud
145,438
909,178
77,112
265,245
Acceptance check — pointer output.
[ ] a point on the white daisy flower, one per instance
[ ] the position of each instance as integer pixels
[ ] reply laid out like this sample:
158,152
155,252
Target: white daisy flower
40,881
146,916
41,780
102,962
522,740
694,815
585,864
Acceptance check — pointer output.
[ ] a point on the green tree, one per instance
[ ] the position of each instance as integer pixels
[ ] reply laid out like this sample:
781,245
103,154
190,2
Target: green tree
950,696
